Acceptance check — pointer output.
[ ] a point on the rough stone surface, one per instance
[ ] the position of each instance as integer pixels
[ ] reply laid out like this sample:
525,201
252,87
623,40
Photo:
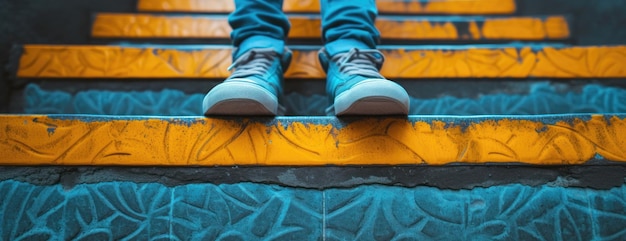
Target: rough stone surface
448,177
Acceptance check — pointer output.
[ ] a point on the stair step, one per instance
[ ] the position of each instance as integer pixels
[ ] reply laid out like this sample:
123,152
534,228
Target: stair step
140,210
311,141
530,99
212,61
388,6
114,25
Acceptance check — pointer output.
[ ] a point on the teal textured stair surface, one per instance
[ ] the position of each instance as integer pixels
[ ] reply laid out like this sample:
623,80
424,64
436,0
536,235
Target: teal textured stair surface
248,211
542,98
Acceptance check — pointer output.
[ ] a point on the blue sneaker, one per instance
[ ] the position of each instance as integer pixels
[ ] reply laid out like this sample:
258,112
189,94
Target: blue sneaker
355,86
253,88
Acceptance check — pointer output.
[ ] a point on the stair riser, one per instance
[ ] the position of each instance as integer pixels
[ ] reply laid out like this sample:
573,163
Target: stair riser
535,99
211,27
136,210
46,61
390,6
437,140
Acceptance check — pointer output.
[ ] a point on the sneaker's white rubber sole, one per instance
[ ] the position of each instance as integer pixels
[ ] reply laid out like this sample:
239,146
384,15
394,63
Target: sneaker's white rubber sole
372,97
240,98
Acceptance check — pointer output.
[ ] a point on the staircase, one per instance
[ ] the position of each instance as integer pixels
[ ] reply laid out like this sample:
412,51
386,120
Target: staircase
516,132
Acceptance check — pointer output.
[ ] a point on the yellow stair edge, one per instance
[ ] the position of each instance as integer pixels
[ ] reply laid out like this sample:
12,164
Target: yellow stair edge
212,61
310,141
123,25
384,7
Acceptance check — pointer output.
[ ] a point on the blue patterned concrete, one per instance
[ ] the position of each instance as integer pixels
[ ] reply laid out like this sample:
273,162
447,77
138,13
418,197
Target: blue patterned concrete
129,211
246,211
541,99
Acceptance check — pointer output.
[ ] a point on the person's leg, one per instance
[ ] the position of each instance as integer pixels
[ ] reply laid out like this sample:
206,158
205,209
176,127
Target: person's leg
259,59
352,63
258,24
348,24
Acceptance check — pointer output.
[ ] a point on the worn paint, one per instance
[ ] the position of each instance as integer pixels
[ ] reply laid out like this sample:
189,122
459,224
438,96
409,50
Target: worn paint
172,26
390,6
203,141
67,61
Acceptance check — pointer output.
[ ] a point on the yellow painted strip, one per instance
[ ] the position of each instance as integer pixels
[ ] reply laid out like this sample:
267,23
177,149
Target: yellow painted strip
155,26
59,61
387,6
42,140
555,27
162,26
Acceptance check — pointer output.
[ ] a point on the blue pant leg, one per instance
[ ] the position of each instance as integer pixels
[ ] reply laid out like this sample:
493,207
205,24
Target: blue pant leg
258,24
348,24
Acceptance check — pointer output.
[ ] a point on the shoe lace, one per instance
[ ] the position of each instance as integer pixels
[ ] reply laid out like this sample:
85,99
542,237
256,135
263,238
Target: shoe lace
365,62
255,62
